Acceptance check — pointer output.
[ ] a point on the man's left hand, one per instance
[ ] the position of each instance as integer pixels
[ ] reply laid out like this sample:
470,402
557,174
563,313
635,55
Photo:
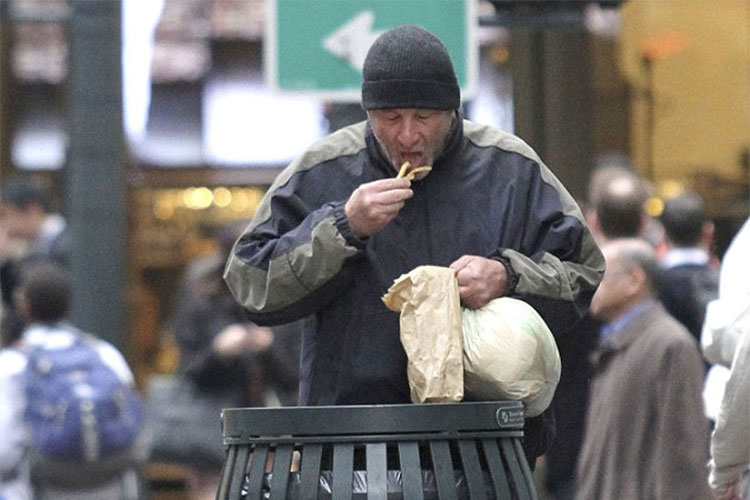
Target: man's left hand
479,280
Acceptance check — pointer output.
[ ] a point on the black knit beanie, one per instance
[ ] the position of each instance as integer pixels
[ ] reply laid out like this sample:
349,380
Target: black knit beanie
409,67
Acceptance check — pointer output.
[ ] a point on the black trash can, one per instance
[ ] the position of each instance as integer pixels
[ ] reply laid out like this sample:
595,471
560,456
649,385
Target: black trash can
383,452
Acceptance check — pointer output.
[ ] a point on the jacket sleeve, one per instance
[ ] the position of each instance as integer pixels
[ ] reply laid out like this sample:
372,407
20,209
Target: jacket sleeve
558,265
730,442
293,259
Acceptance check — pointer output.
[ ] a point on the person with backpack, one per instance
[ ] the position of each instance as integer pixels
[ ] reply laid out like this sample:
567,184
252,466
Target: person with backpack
71,400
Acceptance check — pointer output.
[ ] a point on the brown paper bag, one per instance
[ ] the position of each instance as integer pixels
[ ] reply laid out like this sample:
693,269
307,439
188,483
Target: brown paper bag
427,298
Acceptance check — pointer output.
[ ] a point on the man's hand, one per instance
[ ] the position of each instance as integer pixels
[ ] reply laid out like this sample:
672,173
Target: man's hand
373,205
479,280
237,338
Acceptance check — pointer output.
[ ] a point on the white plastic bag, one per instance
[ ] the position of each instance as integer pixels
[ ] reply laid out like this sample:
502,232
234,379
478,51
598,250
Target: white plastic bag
510,353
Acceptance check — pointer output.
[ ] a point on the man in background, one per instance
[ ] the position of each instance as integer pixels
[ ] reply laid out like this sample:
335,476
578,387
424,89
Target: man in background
689,280
615,207
617,198
646,436
31,230
27,214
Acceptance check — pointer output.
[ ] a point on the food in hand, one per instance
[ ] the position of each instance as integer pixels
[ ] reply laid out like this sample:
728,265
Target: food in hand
410,173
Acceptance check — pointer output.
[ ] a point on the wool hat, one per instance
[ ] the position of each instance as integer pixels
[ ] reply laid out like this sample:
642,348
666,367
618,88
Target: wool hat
409,67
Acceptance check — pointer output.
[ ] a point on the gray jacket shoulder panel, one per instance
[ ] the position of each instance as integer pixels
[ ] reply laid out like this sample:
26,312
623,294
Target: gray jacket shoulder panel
485,136
346,141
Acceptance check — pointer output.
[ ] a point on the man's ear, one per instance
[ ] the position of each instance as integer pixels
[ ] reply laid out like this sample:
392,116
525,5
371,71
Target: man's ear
638,280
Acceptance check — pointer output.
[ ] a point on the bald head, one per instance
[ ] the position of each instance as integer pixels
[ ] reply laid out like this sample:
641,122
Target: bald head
632,268
619,204
630,253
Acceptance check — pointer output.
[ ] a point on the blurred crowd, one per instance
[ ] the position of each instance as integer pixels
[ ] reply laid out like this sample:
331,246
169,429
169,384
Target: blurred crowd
224,359
654,384
655,381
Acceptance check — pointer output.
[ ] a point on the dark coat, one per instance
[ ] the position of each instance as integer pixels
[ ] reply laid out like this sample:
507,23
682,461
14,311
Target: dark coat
488,194
204,308
686,290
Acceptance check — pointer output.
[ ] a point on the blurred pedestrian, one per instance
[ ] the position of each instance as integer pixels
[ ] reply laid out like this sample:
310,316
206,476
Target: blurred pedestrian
645,437
225,356
31,230
27,214
726,342
724,317
76,471
689,279
615,207
617,203
729,476
11,251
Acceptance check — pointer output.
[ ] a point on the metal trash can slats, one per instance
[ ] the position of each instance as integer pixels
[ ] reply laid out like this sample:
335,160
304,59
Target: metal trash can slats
380,452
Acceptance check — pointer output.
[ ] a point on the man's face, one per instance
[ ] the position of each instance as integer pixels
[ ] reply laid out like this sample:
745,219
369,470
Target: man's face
413,135
612,297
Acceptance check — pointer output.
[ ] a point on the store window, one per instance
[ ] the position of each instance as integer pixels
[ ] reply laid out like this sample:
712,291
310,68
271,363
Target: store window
193,87
38,73
205,102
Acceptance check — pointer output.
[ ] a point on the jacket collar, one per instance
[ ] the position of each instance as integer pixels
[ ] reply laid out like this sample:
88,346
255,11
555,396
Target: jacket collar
451,146
685,257
627,336
611,329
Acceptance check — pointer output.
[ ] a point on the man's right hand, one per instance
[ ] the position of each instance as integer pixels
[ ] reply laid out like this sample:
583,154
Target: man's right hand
374,204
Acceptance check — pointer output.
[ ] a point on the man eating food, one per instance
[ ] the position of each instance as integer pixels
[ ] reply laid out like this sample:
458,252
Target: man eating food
338,226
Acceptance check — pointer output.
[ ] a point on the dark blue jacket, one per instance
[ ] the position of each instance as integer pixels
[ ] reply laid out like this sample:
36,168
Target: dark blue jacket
488,194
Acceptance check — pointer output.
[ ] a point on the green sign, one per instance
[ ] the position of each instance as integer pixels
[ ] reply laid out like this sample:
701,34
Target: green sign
319,46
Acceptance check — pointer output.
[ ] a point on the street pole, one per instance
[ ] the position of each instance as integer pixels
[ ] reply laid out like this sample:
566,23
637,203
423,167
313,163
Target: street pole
94,173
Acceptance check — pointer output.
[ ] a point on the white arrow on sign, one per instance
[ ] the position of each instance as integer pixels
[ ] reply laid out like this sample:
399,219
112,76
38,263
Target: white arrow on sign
352,40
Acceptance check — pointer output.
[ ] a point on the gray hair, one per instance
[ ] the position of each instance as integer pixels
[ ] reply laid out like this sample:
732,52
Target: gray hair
636,253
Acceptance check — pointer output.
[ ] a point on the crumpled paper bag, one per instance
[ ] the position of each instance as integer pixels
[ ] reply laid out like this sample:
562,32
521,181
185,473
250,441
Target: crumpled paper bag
427,298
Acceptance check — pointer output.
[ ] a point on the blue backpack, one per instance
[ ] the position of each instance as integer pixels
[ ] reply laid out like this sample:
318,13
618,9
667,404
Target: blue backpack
77,408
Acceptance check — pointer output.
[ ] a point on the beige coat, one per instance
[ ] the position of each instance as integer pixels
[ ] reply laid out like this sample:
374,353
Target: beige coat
646,435
730,445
